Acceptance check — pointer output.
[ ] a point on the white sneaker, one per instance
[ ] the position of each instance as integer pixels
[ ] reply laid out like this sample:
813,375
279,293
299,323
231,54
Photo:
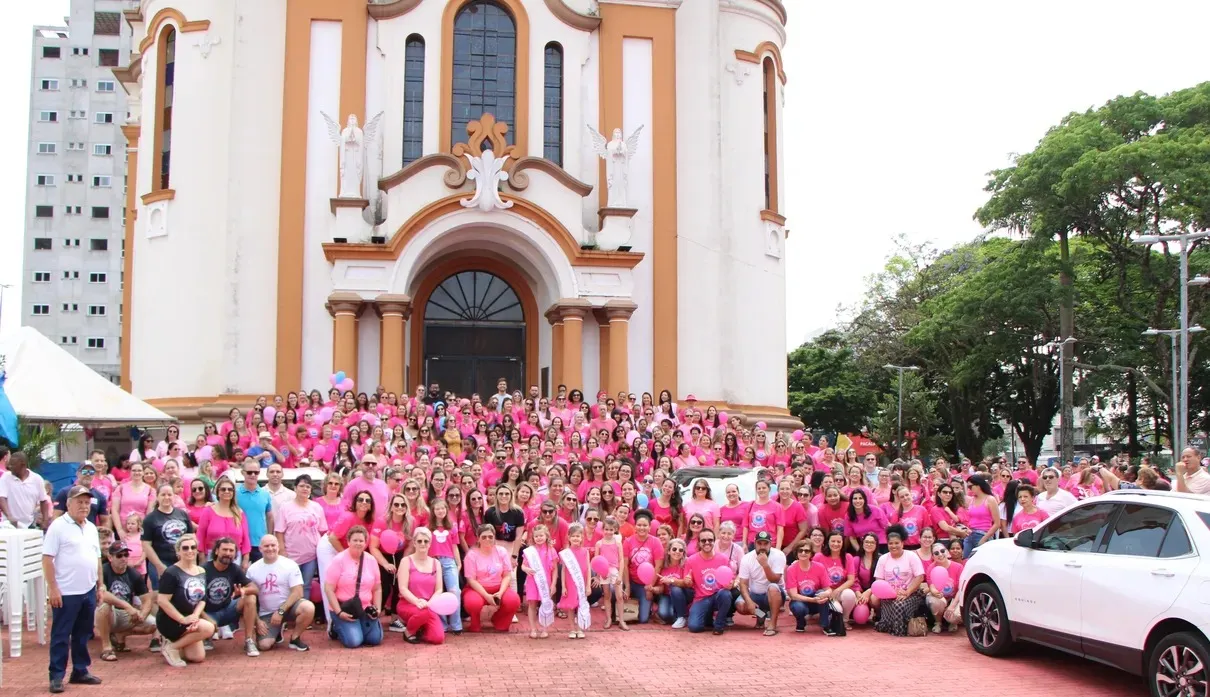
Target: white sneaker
250,649
680,623
225,633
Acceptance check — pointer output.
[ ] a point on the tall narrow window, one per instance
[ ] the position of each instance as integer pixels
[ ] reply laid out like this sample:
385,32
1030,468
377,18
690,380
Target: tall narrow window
167,82
485,65
552,104
413,99
770,121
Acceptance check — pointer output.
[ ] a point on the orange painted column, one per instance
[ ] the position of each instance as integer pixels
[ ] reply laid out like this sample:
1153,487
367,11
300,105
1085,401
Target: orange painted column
573,312
618,313
393,312
344,308
556,348
603,343
131,131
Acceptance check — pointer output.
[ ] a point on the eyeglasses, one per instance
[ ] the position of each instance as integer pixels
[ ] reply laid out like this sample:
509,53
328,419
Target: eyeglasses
802,493
706,541
188,548
422,540
592,520
1049,476
411,488
804,550
364,500
399,504
197,488
335,484
701,488
226,490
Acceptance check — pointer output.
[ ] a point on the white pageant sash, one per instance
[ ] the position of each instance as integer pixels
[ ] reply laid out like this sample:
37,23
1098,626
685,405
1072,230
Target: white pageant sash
546,610
583,617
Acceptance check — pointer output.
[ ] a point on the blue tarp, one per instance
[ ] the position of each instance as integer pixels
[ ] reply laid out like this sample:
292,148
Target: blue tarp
60,474
8,417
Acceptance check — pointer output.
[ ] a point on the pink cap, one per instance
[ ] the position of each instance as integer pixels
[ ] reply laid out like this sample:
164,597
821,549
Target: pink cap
690,398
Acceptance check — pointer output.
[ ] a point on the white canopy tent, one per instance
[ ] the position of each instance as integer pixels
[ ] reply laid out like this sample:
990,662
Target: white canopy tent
46,384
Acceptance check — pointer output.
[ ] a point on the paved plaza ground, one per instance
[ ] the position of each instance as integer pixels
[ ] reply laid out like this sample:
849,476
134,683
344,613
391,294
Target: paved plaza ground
648,661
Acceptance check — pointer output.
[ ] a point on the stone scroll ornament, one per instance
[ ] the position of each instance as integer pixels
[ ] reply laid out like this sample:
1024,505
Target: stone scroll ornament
352,143
617,154
487,171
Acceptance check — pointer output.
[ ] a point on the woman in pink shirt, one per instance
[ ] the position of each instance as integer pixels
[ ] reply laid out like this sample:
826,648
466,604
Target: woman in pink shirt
353,578
666,508
939,597
764,515
809,589
331,502
794,519
702,503
134,495
861,519
198,500
951,521
1028,515
841,571
734,510
224,519
833,513
420,579
911,517
488,567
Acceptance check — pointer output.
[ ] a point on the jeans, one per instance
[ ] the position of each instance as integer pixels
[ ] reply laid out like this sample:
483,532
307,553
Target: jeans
71,628
970,542
362,632
309,570
449,581
674,604
153,577
716,606
639,593
802,610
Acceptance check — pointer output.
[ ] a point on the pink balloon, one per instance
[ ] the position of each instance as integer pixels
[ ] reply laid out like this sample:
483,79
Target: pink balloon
214,440
444,603
883,590
205,453
861,614
645,573
797,435
597,454
270,412
600,566
631,437
723,418
332,379
760,425
325,415
316,593
319,452
372,420
389,541
940,579
346,384
723,576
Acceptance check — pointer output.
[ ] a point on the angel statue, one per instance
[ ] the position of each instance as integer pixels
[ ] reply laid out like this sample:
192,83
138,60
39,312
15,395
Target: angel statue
617,154
487,171
351,142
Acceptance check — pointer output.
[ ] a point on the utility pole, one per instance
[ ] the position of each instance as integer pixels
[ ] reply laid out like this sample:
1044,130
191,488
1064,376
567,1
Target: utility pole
1178,428
1066,400
1186,240
900,368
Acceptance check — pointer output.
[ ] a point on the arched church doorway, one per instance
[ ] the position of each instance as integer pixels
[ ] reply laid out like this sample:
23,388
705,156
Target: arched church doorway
474,334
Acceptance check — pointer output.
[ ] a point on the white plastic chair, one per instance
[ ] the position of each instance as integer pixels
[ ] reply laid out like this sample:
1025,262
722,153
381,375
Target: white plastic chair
24,586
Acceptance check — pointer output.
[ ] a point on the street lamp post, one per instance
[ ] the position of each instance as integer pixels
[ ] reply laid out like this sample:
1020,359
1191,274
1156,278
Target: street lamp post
1178,428
1185,240
900,368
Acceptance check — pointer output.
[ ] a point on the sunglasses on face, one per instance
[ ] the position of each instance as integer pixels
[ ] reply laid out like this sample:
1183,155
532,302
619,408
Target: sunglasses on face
804,550
197,488
188,548
695,522
399,504
363,500
124,555
1049,476
226,490
592,520
333,484
706,541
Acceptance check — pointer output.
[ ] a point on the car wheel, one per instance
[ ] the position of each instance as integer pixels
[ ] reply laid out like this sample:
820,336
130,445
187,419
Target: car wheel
1180,665
986,621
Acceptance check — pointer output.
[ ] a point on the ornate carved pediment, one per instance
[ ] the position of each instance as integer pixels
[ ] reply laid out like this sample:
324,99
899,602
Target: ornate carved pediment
486,131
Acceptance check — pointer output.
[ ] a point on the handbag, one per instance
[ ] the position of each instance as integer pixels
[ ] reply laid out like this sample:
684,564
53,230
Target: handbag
353,606
917,627
836,619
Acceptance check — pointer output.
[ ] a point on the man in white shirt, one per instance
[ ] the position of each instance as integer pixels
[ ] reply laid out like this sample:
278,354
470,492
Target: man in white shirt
276,489
760,574
71,565
280,589
1052,499
23,494
1191,477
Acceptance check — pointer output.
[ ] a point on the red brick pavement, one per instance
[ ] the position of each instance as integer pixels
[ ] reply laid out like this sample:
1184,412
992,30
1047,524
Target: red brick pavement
648,661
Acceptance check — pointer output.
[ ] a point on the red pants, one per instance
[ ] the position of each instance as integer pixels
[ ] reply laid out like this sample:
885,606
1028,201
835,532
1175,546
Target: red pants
502,619
424,622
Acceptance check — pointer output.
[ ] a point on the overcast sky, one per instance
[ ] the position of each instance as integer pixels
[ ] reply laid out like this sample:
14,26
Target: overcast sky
894,114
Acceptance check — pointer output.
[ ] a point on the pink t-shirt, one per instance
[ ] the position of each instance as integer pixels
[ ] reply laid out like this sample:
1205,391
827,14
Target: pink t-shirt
913,521
701,570
707,508
444,542
488,569
941,514
647,551
347,520
765,517
342,573
301,527
135,502
212,526
836,571
808,581
1030,476
738,515
791,516
661,513
833,519
955,573
899,572
378,490
1028,521
875,523
332,511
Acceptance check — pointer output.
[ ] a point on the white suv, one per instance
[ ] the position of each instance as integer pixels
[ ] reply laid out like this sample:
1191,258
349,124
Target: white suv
1123,579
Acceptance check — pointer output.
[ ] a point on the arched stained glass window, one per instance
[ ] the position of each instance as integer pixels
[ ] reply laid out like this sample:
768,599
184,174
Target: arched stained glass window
167,89
474,296
485,66
413,99
552,104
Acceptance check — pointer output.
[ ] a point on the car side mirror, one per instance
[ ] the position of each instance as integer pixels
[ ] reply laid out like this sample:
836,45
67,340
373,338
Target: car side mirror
1025,539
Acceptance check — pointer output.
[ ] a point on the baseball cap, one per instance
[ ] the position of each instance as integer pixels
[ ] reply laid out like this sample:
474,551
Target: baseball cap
763,536
78,491
264,434
118,547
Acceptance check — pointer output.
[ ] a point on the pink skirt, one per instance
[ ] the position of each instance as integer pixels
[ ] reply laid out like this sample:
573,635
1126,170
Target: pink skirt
571,597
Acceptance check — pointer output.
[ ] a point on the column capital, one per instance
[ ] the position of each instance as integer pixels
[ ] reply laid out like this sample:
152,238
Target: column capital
553,315
619,309
344,303
570,309
388,304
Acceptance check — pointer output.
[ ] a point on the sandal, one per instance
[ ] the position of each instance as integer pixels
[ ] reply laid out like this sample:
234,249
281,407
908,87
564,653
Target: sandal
561,614
608,623
109,655
770,632
543,635
623,626
533,634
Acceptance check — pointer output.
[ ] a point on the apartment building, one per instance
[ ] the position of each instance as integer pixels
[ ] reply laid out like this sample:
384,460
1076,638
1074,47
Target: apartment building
76,183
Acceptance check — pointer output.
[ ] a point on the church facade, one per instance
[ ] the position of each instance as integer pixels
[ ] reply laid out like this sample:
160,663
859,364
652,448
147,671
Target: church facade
575,192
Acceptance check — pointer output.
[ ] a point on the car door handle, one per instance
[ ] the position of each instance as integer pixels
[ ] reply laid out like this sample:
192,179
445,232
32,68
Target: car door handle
1073,564
1163,572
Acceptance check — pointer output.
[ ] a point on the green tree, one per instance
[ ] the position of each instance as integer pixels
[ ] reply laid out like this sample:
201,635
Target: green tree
827,387
920,418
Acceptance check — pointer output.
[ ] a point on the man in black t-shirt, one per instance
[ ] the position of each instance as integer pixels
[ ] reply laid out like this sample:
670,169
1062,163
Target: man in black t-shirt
126,604
230,596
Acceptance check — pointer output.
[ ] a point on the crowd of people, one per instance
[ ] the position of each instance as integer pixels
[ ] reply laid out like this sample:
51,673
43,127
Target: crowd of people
423,515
